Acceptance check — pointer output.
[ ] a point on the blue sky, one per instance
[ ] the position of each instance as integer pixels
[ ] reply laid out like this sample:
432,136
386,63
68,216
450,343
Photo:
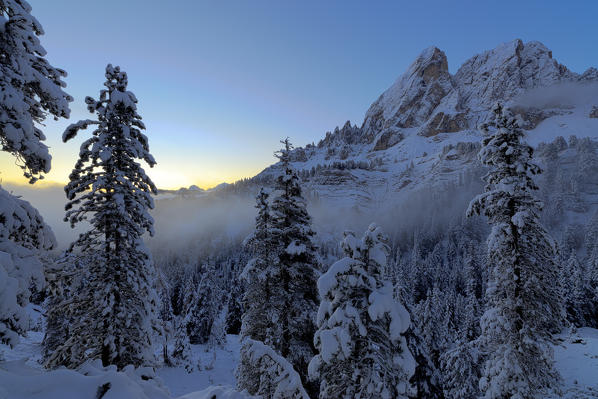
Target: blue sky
220,82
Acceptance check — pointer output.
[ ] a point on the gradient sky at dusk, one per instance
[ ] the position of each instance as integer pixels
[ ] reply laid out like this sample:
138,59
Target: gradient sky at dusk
220,82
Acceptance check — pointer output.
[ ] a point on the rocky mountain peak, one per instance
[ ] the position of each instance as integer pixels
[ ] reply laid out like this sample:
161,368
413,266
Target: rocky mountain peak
348,134
591,74
413,97
505,72
429,100
431,64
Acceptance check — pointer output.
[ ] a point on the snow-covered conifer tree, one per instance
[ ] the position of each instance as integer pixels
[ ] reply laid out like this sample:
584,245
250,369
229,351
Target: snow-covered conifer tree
524,305
114,316
166,319
432,340
566,282
460,371
576,284
362,350
295,269
188,293
280,299
470,329
234,307
257,298
276,377
181,353
586,286
204,302
426,378
217,336
460,362
31,89
256,322
64,278
196,318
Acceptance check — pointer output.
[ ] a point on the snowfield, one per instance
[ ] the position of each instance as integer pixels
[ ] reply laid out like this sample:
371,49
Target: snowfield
22,377
217,368
577,360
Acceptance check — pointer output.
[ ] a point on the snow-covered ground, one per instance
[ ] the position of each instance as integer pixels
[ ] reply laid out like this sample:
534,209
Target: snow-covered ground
216,368
22,377
577,360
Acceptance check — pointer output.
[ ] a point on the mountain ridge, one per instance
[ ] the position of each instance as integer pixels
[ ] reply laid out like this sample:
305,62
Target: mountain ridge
422,130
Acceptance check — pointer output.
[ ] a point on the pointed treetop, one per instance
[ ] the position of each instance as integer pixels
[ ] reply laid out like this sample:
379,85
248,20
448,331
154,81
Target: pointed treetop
284,154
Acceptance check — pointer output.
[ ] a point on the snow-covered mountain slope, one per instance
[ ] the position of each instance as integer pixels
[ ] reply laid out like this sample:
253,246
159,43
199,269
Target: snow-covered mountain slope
423,130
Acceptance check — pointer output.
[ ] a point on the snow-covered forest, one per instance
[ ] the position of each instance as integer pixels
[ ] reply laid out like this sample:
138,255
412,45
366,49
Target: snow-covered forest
447,248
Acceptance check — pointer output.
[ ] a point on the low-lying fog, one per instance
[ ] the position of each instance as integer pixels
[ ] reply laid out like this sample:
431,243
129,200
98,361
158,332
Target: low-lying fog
202,225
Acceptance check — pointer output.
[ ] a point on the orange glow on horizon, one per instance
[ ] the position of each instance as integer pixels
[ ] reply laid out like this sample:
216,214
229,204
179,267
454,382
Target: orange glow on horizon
164,178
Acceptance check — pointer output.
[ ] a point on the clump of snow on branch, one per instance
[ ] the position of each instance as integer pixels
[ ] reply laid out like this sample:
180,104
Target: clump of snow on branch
23,234
278,378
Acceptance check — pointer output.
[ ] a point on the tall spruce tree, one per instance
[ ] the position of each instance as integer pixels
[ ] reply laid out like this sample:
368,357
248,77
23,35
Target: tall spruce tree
578,293
296,270
281,298
181,352
460,364
461,371
590,283
432,336
257,300
362,350
470,328
234,306
166,318
203,303
114,315
524,306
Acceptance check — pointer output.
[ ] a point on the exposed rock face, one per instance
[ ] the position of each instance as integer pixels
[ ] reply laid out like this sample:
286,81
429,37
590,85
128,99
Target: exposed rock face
463,151
344,154
410,101
334,177
594,112
387,138
444,123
